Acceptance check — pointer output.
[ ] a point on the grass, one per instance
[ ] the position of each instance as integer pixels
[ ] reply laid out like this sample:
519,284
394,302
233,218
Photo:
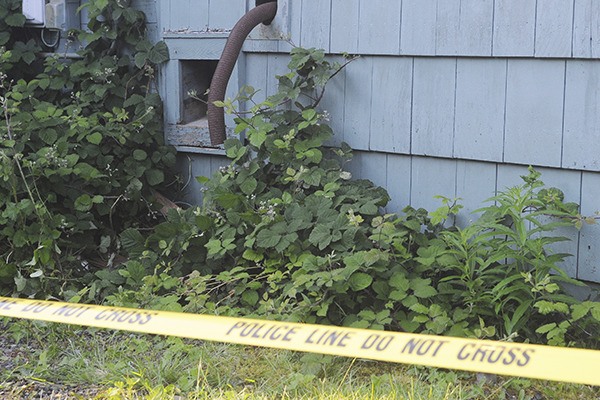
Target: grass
103,364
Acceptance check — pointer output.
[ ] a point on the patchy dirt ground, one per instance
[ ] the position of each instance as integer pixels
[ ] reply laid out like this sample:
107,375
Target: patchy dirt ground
44,391
15,386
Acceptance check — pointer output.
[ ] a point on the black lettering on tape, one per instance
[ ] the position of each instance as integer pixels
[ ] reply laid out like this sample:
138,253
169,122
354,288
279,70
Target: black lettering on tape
423,347
126,316
526,358
511,355
288,336
492,354
275,335
256,330
248,329
466,354
237,325
7,305
148,318
481,352
122,316
380,342
36,307
69,311
496,354
329,337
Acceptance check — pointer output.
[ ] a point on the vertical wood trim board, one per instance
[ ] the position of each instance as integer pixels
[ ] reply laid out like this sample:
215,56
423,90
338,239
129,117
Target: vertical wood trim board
533,133
419,22
198,14
589,250
464,27
433,106
398,181
316,24
344,26
480,100
223,14
554,28
391,104
357,103
581,147
379,27
514,27
431,177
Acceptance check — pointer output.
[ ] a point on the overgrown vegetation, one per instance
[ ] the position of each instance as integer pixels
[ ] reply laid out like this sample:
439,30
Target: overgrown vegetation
80,147
286,233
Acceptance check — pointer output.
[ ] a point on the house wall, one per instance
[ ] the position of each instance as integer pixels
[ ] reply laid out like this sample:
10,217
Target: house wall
449,97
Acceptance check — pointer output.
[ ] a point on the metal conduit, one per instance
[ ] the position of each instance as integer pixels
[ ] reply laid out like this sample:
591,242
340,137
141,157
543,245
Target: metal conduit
262,13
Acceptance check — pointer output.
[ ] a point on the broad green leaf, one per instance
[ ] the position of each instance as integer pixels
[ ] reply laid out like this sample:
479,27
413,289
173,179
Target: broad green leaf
20,282
320,236
227,200
420,308
159,53
252,255
49,136
94,138
397,295
596,311
133,242
359,281
203,180
400,281
44,83
4,38
267,238
580,310
309,114
546,328
213,246
422,288
140,59
139,155
250,297
155,177
547,307
257,138
83,203
286,241
16,20
7,272
249,186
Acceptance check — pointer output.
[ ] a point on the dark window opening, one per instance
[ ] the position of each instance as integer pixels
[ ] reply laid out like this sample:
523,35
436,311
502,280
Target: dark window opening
196,78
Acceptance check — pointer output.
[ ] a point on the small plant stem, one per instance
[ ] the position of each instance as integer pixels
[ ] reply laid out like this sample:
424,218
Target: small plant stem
320,97
18,163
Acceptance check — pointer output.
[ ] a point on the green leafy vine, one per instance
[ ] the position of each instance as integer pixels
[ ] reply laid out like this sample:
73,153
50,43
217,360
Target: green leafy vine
81,148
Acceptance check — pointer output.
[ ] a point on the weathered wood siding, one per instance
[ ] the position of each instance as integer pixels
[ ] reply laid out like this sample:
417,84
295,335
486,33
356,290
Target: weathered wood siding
449,97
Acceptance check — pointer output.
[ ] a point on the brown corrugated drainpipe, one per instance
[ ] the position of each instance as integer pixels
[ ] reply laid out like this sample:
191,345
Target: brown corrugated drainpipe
264,12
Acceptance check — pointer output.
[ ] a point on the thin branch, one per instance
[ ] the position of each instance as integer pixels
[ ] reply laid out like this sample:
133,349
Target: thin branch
331,77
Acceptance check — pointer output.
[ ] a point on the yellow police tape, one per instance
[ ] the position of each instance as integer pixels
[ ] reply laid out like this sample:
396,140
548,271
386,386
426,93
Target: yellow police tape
515,359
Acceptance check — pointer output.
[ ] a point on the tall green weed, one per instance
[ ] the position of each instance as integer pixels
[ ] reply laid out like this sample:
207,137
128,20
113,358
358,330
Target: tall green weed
285,233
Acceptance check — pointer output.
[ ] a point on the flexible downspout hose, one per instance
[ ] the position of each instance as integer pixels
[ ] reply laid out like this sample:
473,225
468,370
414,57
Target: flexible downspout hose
262,13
